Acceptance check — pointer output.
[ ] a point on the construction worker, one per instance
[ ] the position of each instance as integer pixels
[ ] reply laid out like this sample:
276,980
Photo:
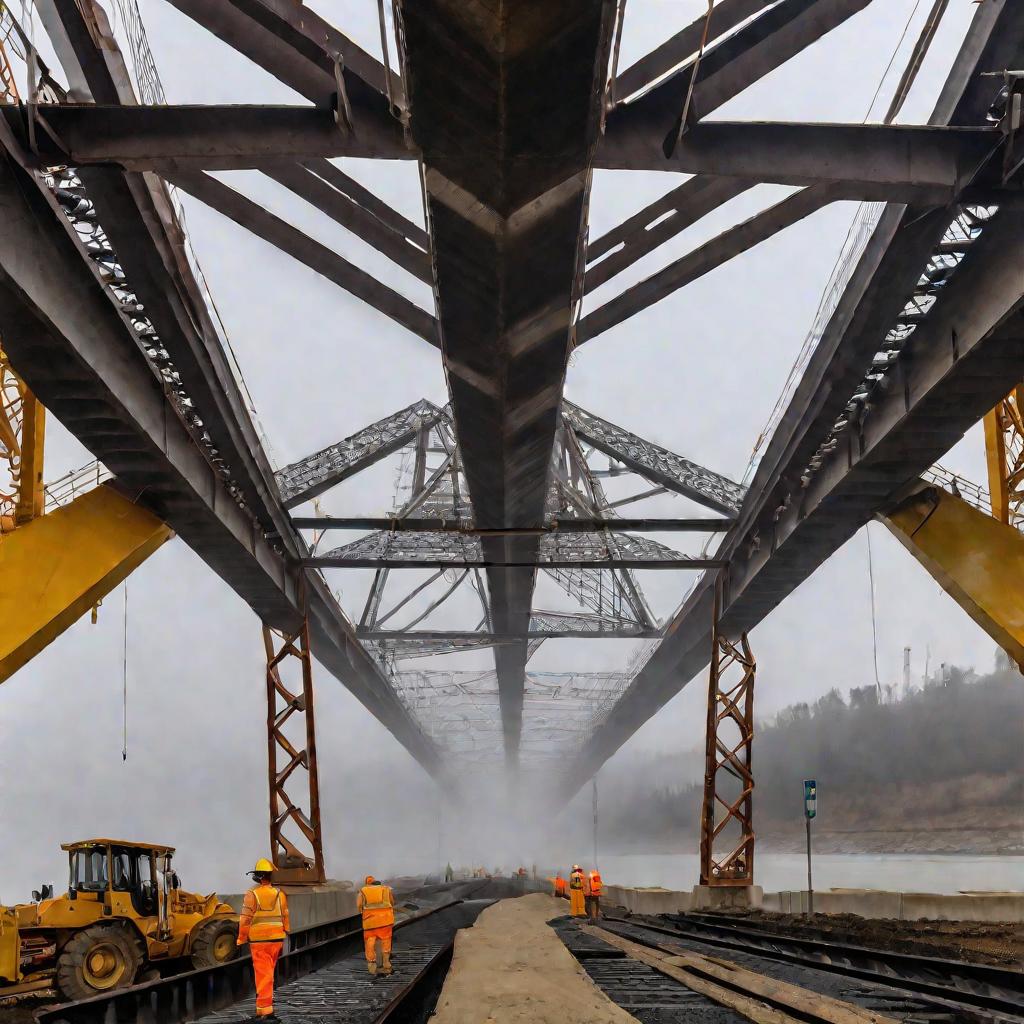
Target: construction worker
263,923
376,903
449,875
577,904
593,895
559,883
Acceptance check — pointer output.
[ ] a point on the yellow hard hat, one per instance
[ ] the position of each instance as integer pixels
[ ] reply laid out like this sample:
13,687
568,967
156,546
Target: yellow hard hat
263,867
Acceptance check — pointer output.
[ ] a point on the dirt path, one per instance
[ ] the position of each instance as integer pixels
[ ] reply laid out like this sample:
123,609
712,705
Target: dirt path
511,968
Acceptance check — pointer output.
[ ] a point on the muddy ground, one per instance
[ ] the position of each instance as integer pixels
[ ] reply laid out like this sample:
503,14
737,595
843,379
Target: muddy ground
998,944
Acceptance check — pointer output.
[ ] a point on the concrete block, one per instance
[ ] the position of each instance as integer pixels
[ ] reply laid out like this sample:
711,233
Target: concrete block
719,897
995,907
862,903
986,907
652,900
311,905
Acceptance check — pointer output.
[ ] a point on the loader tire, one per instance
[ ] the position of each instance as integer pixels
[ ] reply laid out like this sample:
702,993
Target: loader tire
98,959
214,943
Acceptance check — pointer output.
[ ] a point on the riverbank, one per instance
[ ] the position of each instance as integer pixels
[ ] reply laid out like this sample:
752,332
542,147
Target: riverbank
778,872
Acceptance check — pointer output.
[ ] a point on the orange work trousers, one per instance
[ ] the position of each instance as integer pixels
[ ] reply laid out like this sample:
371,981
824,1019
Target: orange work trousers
264,960
370,937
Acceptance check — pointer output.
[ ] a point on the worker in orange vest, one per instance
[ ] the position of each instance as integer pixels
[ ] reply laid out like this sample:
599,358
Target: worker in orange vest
593,895
577,903
263,923
560,886
376,903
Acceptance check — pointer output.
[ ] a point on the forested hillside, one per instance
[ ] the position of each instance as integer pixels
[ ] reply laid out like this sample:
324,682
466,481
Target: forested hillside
940,768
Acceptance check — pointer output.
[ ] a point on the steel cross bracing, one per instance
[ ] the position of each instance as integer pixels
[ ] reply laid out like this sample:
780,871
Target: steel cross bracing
506,176
396,622
403,549
316,473
658,464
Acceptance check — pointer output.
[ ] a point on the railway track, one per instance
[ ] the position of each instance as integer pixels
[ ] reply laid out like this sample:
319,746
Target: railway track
898,985
321,980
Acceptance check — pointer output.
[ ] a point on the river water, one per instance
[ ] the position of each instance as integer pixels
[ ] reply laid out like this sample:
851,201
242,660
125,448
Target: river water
775,871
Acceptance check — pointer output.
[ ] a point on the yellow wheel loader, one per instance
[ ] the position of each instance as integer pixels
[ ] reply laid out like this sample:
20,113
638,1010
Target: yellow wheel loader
124,912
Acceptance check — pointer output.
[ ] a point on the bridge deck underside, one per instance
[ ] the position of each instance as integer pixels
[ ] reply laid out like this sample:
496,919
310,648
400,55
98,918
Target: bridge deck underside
506,179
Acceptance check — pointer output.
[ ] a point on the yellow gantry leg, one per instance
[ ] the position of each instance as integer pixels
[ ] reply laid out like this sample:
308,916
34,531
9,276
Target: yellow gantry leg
976,559
30,488
56,567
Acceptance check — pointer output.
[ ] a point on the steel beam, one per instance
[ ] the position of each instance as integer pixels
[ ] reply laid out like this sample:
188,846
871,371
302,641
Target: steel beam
399,561
430,635
351,215
309,477
927,164
557,526
142,227
664,59
703,260
144,138
368,201
655,463
299,48
655,224
440,549
647,128
308,251
78,352
506,178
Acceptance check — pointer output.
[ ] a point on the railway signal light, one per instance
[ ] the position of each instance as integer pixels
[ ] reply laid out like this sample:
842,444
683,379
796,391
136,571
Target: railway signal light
810,798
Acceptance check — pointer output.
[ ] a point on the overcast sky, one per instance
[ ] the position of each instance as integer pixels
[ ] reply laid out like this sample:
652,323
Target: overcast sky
698,373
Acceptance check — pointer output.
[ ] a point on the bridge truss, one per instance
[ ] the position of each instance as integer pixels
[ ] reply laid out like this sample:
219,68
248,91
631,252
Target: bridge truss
105,316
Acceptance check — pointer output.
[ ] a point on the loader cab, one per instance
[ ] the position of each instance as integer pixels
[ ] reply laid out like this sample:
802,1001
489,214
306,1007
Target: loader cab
101,866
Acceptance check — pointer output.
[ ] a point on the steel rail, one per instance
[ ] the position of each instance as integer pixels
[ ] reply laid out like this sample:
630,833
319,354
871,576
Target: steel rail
1003,989
194,994
417,987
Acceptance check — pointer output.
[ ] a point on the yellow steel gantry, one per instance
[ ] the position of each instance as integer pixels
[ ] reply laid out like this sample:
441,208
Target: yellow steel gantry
977,557
22,433
55,567
1004,452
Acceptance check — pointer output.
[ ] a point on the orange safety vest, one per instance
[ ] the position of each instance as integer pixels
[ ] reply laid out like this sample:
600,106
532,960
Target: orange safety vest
268,917
576,880
378,906
595,883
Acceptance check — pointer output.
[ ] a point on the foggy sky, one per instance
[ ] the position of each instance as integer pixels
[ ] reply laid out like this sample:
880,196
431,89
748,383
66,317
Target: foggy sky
698,373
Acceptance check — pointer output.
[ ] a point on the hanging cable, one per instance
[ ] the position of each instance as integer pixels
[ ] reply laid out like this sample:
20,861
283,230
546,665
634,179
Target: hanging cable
874,624
124,680
923,45
904,88
693,76
892,59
